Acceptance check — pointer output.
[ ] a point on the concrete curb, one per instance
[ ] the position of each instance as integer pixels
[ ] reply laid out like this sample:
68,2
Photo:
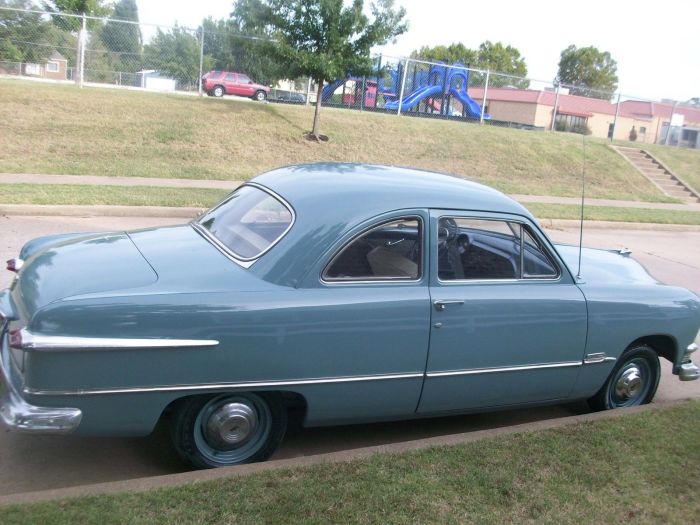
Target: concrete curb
173,480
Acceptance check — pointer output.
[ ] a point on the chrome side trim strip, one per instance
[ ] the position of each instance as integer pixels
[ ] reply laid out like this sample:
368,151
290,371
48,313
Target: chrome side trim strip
38,342
599,357
222,386
494,370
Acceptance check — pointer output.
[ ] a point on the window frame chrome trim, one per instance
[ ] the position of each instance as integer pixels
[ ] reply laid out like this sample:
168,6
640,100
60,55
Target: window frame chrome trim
383,280
44,343
245,262
496,370
521,279
224,386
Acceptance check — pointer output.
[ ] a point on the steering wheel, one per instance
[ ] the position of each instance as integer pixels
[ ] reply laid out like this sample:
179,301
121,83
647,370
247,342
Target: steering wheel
447,231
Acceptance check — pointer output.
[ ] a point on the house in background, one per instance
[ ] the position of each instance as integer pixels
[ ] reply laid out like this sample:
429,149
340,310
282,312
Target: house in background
651,120
55,68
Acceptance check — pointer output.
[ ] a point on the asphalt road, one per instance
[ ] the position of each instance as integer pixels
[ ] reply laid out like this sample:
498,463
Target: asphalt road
30,463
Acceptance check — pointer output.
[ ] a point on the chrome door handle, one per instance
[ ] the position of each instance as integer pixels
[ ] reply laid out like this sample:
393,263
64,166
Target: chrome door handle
442,304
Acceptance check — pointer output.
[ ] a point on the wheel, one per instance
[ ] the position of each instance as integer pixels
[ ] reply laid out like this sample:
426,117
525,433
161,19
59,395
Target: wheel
228,429
260,96
218,91
632,382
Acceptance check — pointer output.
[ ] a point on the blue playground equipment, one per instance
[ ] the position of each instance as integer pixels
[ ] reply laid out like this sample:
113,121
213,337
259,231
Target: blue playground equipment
441,81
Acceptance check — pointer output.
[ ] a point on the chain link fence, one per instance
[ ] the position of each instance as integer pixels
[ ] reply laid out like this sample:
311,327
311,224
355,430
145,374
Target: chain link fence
64,47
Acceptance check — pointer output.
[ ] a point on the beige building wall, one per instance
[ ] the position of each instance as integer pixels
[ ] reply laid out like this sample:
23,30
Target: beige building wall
520,112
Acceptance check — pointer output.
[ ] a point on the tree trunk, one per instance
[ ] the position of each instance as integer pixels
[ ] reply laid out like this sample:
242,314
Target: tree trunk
315,132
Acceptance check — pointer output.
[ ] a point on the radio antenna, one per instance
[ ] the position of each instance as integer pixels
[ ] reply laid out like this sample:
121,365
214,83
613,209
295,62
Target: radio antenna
583,197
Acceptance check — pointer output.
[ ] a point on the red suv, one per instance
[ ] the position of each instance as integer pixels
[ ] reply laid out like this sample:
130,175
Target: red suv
220,83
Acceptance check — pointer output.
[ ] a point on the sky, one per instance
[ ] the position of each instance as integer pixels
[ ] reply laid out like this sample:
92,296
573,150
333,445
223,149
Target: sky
656,44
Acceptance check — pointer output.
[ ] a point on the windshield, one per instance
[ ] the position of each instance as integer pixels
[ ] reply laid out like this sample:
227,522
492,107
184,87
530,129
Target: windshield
249,222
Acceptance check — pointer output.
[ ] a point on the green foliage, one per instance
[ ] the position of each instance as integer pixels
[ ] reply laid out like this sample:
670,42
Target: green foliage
76,7
452,54
123,39
323,39
230,50
491,56
592,73
27,37
498,58
175,53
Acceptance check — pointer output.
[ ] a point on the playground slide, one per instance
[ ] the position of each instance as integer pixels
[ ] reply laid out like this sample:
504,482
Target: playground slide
473,109
415,97
330,89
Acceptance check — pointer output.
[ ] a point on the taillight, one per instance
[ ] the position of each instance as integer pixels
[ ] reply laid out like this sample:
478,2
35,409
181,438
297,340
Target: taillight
16,339
15,264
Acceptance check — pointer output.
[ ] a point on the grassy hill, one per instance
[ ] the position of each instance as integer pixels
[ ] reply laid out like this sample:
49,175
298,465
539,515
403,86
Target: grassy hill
62,129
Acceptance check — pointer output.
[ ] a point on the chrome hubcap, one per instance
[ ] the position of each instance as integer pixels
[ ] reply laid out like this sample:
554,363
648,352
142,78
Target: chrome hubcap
630,383
231,424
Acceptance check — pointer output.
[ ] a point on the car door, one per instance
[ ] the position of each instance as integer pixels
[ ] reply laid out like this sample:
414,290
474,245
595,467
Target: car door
244,86
367,319
508,322
230,83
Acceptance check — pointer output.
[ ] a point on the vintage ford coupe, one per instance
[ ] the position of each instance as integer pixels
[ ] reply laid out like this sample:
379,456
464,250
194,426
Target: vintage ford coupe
351,293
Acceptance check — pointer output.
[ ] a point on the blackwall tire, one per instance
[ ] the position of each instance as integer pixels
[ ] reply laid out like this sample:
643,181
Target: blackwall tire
632,382
228,429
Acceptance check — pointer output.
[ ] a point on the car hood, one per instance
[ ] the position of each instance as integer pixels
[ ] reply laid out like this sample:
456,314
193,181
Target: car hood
80,265
604,266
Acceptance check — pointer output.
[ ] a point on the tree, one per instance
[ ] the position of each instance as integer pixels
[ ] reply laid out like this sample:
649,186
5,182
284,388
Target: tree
325,39
494,57
122,39
452,54
175,53
592,73
27,37
75,7
231,49
498,58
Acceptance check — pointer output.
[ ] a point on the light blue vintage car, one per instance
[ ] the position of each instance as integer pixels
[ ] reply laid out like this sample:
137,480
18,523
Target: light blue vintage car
350,293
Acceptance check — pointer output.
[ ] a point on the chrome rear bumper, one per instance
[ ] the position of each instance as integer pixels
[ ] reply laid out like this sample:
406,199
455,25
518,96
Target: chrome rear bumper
688,371
17,414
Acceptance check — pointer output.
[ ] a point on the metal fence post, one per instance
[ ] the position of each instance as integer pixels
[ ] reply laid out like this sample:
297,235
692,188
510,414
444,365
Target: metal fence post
403,85
308,92
617,114
556,105
81,61
483,102
201,60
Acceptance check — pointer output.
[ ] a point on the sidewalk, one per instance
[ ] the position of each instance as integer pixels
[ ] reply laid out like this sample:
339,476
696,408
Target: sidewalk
30,178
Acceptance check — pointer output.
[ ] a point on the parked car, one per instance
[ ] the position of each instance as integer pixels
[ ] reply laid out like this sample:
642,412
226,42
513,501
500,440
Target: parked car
347,293
220,83
290,96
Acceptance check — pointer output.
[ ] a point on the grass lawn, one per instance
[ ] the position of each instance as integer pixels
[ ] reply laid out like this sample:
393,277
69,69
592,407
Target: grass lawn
640,468
112,195
609,213
65,130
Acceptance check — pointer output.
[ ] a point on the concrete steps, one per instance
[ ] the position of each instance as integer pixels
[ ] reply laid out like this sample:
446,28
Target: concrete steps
658,174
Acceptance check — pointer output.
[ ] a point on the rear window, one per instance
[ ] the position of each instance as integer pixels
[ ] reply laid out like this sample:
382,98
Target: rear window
249,222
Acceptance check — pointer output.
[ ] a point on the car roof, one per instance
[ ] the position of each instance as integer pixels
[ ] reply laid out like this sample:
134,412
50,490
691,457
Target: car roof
378,189
331,200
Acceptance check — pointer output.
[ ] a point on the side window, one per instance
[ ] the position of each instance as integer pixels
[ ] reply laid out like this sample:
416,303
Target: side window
230,77
391,251
475,249
536,260
243,79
